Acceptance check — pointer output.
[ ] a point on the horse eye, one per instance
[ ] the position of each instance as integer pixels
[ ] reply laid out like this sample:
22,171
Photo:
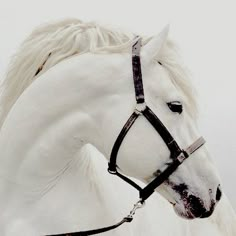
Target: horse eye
175,106
160,63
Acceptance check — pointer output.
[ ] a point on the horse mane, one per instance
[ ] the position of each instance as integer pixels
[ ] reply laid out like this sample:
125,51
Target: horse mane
53,42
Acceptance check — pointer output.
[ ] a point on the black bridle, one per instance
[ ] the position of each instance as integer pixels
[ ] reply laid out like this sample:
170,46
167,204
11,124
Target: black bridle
177,155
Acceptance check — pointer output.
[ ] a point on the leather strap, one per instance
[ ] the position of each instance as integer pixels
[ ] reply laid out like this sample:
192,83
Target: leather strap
126,219
163,132
137,73
95,231
112,164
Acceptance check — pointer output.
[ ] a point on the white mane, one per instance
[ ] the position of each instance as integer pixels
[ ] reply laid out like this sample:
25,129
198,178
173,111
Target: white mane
51,43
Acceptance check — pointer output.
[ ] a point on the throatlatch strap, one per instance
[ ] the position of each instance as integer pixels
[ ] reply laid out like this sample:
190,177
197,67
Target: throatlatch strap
139,95
112,164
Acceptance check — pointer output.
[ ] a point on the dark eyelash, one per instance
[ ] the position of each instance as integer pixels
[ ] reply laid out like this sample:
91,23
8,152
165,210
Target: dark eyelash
175,106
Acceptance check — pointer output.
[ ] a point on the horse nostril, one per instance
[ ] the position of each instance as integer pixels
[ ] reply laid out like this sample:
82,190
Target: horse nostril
196,206
218,194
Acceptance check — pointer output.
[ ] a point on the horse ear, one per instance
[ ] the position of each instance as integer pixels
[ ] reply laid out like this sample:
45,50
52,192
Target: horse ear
151,49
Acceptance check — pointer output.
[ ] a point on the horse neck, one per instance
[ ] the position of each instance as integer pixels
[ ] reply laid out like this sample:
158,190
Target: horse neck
54,118
57,115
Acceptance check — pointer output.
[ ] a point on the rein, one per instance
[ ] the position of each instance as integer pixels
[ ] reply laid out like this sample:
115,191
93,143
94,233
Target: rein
177,155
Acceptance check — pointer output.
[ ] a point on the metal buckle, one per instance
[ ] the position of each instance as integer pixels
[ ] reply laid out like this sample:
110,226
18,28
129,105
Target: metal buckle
137,46
137,206
140,107
113,172
181,157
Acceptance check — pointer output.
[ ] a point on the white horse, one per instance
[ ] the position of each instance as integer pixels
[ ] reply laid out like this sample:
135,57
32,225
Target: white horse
67,94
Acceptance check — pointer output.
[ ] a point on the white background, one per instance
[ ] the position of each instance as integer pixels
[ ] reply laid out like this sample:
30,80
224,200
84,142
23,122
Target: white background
204,30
